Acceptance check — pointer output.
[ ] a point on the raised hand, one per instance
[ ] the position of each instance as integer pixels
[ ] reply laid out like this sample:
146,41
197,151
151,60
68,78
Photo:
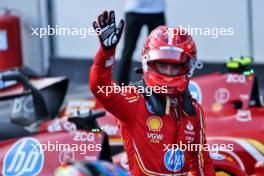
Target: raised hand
110,34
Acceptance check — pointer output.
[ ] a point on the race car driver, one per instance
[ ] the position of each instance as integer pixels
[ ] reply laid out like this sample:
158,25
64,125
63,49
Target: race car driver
154,128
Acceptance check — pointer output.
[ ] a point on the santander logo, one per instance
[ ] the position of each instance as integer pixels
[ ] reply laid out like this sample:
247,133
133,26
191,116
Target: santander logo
189,126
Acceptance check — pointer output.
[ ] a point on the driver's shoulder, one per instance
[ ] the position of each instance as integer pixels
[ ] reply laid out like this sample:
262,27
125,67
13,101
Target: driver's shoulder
130,93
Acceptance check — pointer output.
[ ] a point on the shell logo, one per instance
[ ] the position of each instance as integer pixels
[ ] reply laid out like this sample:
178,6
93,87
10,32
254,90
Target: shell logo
154,123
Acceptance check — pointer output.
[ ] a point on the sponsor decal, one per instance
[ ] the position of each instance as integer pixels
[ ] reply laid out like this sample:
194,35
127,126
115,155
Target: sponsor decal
69,126
83,136
23,105
189,138
66,155
110,129
90,158
154,123
174,160
155,137
54,126
195,91
222,95
243,115
217,156
217,106
58,126
130,97
189,126
236,78
189,132
76,107
22,160
244,96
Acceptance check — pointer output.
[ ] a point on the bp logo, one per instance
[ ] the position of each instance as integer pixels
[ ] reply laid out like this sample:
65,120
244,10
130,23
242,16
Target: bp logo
174,160
24,158
195,91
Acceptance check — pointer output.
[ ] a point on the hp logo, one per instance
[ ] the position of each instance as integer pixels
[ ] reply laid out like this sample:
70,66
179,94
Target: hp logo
21,159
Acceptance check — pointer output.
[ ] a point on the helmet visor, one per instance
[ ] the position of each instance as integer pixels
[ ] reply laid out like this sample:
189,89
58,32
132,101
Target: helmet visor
173,55
169,62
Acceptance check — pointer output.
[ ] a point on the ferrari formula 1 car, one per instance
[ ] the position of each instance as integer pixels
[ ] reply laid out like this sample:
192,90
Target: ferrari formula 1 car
234,112
36,141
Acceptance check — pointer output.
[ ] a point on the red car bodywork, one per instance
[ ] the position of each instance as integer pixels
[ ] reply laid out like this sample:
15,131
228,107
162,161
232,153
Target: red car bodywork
54,142
234,114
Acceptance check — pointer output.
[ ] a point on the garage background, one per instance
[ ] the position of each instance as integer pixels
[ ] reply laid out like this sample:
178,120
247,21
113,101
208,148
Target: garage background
72,55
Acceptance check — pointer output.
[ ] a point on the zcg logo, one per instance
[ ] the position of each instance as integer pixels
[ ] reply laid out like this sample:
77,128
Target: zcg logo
233,78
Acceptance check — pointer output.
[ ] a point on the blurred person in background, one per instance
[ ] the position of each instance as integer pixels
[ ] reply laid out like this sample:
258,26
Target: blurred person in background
137,14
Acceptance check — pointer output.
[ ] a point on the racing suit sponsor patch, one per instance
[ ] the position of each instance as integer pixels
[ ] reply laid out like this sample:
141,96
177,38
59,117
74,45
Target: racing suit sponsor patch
174,160
189,133
155,137
189,126
154,123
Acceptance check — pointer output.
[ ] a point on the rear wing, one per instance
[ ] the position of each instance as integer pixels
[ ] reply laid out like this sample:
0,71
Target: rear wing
48,93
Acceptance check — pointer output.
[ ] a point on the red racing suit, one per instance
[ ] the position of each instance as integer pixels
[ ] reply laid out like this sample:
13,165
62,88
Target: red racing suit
150,140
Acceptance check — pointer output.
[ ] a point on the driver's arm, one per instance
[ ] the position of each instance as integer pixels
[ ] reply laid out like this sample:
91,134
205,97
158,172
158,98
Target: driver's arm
101,81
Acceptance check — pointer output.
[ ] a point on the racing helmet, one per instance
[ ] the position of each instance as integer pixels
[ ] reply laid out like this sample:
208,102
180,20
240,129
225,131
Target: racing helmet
174,46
